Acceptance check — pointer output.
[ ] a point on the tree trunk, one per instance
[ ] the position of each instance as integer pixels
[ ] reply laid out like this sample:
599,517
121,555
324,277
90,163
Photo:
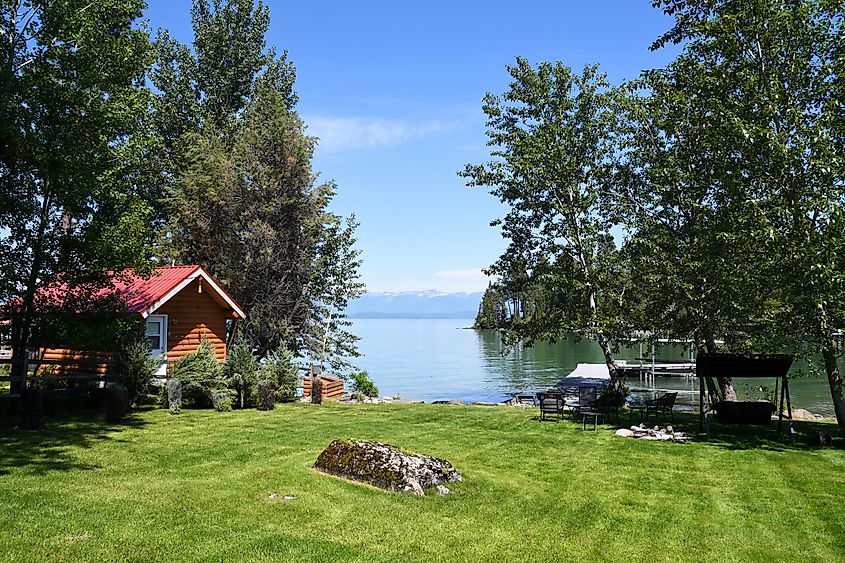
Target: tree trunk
834,379
604,344
726,385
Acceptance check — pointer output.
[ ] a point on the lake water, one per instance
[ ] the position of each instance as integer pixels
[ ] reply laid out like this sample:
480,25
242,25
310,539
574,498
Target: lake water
439,359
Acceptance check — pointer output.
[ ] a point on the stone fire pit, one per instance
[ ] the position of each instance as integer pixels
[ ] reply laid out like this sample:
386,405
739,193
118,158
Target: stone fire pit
665,434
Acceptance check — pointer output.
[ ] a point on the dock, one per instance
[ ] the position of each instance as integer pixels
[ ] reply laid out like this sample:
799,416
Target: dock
646,372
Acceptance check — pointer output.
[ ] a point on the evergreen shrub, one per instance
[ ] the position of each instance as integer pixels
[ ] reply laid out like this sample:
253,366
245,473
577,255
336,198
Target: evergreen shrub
134,367
200,374
363,385
241,372
281,371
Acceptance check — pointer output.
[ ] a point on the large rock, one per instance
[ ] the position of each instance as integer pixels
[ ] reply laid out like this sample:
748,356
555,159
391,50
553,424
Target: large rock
385,466
174,396
802,414
116,403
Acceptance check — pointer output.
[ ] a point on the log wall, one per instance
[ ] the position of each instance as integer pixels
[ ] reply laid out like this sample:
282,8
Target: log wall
332,386
190,316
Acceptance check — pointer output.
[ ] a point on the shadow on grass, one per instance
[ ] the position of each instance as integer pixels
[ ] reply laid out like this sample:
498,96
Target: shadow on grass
69,426
747,437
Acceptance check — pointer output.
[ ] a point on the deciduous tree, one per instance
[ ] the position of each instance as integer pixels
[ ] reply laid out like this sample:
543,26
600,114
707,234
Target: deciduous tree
71,95
554,149
767,76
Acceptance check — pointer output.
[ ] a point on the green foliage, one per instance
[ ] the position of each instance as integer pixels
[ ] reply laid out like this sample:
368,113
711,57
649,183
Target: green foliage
740,143
71,97
241,372
491,310
200,373
224,405
327,338
554,137
173,396
279,369
134,367
241,196
362,384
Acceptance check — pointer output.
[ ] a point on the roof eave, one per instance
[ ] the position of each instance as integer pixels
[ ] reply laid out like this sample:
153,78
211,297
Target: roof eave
198,273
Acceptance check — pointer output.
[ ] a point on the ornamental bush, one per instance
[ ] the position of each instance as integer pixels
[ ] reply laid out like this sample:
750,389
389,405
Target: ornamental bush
362,384
241,372
200,374
134,367
174,396
280,370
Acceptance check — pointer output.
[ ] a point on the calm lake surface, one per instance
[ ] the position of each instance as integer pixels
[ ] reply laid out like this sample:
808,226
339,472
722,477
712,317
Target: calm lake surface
438,359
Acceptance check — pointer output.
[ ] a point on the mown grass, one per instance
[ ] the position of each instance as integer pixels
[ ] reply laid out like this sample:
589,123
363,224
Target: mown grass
196,487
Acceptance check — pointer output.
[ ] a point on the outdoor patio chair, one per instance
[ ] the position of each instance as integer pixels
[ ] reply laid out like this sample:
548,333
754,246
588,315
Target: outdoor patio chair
661,405
606,406
586,397
550,404
526,399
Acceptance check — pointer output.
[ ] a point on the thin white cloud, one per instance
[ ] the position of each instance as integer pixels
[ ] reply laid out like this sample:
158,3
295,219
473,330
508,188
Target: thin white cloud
461,280
349,133
461,274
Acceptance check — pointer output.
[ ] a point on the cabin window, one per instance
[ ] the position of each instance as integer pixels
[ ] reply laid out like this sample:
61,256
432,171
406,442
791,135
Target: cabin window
155,333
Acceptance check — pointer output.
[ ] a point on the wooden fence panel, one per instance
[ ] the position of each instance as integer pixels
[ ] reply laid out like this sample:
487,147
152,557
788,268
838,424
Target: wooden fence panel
332,386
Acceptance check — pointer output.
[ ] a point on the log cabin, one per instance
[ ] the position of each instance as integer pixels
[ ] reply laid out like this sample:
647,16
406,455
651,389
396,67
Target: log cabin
180,305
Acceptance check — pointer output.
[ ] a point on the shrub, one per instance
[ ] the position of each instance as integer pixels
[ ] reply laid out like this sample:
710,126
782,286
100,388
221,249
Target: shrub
200,374
134,367
241,372
280,370
224,397
613,398
224,405
117,402
362,384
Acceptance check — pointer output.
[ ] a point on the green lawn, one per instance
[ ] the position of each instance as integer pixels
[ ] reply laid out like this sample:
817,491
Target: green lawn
197,486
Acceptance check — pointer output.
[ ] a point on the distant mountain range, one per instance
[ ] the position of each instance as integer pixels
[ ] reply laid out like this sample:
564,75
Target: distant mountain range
430,304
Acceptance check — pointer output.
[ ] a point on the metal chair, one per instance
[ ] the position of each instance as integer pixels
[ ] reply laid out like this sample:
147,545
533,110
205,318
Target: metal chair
586,396
661,404
550,404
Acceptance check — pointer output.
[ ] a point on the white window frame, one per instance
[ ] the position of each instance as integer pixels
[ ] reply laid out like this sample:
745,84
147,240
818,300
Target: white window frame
162,349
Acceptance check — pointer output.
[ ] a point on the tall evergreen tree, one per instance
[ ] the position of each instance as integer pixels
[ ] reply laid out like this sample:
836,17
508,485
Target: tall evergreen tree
241,196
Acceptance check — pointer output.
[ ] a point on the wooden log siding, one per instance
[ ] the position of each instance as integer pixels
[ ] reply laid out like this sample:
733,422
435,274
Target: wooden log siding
332,386
190,316
59,361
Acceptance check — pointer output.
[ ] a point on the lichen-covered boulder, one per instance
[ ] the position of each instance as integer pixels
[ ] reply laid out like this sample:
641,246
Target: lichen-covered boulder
385,466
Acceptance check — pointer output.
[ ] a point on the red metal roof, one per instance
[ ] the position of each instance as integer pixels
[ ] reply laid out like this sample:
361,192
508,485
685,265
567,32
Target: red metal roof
142,295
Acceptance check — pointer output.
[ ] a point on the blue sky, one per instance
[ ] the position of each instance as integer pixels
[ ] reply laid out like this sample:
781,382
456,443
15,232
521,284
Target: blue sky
394,89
